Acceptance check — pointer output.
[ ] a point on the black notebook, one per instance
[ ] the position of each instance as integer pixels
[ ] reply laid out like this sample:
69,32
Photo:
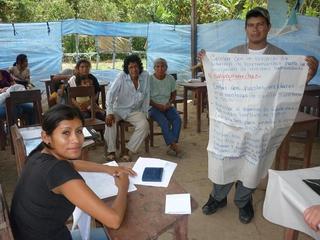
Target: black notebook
314,184
152,174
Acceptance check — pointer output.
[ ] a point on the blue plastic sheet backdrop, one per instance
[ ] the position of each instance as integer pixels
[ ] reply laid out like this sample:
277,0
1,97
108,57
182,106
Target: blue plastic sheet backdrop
42,42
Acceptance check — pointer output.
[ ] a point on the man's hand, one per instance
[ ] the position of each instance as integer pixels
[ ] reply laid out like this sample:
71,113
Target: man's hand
201,54
313,64
110,120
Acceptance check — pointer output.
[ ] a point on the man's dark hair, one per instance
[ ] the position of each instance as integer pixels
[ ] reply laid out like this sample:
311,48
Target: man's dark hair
132,59
258,12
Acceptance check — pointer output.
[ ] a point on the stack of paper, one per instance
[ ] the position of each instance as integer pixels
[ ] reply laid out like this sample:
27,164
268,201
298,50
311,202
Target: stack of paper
178,204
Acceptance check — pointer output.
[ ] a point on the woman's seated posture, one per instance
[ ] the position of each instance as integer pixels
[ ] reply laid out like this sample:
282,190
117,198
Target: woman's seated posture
83,103
20,71
82,69
50,187
162,96
26,110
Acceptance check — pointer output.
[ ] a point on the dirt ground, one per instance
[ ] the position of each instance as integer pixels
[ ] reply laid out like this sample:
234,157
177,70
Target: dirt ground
191,173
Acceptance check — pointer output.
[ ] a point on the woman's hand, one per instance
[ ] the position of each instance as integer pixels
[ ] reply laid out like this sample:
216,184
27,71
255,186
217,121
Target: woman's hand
122,181
313,64
115,171
110,120
312,217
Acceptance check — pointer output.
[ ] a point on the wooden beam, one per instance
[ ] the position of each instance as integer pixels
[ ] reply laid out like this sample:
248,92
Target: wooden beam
193,35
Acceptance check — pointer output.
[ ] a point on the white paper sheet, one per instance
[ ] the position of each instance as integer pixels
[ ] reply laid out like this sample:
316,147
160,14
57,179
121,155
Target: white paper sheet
86,133
178,204
287,196
103,184
30,132
142,163
83,221
253,101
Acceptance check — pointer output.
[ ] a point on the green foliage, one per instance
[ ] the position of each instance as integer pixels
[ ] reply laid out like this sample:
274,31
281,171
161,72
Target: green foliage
160,11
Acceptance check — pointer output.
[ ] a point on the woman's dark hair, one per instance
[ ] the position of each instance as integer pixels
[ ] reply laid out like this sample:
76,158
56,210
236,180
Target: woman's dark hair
132,59
20,59
81,61
54,116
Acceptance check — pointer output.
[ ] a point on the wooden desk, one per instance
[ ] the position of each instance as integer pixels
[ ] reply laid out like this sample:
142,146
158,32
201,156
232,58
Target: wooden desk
5,228
200,89
145,217
303,122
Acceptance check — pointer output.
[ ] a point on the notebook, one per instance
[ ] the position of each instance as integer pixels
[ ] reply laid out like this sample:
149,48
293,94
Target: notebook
152,174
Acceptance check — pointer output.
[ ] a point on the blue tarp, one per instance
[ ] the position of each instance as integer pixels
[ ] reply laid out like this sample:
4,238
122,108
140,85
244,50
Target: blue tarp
42,41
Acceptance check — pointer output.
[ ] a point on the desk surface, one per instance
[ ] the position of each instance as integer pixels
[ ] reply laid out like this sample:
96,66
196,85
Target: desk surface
145,217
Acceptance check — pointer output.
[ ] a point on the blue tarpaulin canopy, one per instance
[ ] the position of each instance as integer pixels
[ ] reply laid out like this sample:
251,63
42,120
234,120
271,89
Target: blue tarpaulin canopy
42,42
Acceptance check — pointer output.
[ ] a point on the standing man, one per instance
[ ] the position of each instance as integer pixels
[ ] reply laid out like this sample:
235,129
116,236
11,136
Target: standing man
257,27
128,99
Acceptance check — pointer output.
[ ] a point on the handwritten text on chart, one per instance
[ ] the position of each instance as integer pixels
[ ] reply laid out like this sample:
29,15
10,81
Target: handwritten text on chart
252,97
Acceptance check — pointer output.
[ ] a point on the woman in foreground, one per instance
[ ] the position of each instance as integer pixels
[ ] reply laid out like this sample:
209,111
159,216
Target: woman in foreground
50,187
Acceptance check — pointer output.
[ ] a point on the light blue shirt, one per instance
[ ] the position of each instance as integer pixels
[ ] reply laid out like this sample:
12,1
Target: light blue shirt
123,98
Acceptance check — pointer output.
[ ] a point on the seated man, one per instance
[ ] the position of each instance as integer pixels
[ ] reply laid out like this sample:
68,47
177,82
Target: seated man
128,99
162,96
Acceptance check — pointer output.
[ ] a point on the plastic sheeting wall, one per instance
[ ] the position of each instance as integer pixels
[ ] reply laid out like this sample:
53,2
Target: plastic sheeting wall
171,42
41,44
220,37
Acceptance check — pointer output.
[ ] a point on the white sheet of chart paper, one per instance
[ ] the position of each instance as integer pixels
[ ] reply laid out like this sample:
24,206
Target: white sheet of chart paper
253,101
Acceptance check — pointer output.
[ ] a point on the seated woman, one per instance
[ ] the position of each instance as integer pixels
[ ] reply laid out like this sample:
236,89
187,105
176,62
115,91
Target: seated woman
25,109
83,103
82,68
162,96
20,71
50,186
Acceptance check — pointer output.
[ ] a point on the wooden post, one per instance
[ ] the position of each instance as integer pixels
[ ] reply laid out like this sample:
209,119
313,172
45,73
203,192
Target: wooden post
193,35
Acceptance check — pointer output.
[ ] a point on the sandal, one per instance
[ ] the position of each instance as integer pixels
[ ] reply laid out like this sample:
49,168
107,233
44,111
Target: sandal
125,158
111,156
175,152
